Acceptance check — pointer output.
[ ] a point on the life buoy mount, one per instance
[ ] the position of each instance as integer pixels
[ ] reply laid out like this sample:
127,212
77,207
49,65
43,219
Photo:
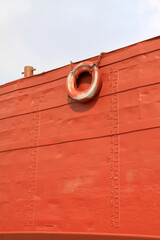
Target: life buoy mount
87,95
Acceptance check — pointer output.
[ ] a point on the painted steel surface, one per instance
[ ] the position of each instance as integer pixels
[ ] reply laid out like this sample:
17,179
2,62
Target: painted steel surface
28,71
72,170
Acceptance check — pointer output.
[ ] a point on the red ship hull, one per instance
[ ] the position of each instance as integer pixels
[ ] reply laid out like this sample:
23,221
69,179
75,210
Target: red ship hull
75,171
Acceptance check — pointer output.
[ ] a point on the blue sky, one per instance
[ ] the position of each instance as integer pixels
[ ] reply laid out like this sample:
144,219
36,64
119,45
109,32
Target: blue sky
47,34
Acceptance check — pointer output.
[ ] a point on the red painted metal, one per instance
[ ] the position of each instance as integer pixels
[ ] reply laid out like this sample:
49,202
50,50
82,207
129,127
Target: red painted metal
28,71
75,171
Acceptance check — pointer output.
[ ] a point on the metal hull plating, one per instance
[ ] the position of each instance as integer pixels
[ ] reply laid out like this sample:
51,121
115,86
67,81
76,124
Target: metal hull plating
72,170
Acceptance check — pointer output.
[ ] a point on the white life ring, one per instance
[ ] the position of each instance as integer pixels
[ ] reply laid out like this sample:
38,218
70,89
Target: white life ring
87,95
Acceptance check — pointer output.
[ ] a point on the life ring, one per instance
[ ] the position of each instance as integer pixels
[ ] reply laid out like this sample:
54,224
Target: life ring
87,95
